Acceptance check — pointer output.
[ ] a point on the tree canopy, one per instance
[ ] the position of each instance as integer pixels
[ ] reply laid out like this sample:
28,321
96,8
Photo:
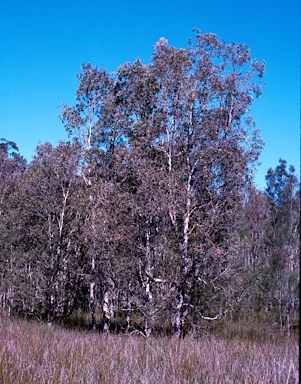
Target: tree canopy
149,212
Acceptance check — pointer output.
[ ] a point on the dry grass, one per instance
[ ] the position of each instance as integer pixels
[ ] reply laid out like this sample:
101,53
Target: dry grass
34,353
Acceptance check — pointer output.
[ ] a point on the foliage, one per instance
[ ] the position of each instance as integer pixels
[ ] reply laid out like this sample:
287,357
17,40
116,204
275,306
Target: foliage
148,217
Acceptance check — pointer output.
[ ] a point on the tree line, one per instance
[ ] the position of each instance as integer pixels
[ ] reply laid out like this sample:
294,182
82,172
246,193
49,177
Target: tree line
149,214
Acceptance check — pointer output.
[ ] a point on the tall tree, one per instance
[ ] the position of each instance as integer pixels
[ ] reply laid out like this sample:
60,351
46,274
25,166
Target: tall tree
94,124
12,168
205,93
175,138
49,207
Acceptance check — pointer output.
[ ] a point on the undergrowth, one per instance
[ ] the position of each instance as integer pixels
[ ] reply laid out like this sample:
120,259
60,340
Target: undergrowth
32,352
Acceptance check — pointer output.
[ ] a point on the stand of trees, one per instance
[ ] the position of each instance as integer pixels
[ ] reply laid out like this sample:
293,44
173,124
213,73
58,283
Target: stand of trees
149,212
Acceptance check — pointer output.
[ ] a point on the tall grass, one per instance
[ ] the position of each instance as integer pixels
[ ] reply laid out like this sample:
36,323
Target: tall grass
34,353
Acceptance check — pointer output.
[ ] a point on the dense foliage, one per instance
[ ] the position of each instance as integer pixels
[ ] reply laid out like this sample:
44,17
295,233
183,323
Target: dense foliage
149,212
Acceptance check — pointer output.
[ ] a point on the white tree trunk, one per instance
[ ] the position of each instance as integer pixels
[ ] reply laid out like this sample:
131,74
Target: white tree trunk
106,310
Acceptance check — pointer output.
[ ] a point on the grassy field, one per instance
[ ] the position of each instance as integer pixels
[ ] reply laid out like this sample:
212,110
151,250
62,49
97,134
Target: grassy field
31,352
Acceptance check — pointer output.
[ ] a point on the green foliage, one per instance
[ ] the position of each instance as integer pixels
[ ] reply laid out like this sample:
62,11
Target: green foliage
148,218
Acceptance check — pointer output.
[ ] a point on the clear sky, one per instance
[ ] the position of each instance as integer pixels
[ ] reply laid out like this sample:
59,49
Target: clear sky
43,44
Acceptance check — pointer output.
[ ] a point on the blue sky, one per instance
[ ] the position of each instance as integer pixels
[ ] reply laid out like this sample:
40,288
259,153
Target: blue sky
43,44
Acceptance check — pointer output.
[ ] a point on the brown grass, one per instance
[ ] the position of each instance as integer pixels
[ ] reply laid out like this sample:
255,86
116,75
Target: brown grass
34,353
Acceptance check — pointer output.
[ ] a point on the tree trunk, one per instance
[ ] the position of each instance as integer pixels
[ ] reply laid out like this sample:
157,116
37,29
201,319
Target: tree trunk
106,312
92,305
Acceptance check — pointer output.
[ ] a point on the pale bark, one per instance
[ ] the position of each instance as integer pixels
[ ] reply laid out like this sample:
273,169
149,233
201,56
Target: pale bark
106,310
92,304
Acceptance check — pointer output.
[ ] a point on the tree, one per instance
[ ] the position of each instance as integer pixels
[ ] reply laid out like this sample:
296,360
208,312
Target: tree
12,168
283,193
49,268
253,237
175,138
94,125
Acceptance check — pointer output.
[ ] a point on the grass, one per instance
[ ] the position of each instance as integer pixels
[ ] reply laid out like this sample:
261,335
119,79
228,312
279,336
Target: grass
31,352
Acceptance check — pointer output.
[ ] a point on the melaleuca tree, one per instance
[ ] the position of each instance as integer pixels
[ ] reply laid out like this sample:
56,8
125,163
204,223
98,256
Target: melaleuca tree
252,256
283,236
256,217
96,125
12,168
50,269
205,93
175,139
140,178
